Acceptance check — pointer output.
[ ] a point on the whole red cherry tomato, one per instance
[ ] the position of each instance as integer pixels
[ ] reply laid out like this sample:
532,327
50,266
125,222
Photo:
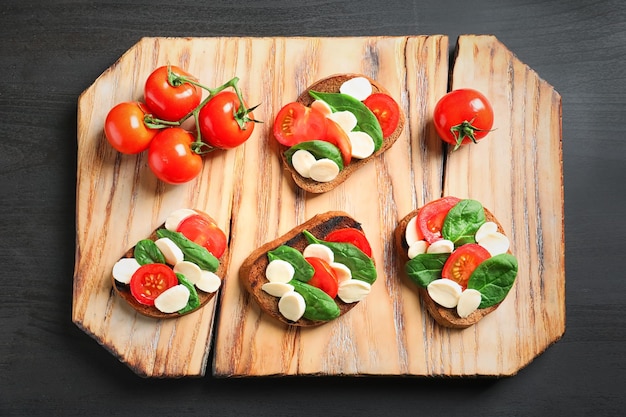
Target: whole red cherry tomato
171,158
218,121
150,281
168,101
204,232
125,130
463,116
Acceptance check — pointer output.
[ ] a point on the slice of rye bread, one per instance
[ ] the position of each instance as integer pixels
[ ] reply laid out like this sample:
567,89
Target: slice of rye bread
331,85
150,311
252,271
444,316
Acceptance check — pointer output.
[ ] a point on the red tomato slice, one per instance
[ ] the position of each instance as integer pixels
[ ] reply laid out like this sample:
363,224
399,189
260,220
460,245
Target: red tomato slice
324,277
338,137
297,123
204,232
150,281
351,235
430,218
386,111
463,261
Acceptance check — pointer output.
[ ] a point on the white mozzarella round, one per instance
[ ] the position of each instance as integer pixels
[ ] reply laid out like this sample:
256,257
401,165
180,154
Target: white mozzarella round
124,269
417,248
279,271
410,233
176,217
353,290
468,302
357,87
209,282
363,145
292,306
277,289
191,271
302,161
172,299
317,250
445,292
322,107
441,246
342,272
170,251
345,119
324,170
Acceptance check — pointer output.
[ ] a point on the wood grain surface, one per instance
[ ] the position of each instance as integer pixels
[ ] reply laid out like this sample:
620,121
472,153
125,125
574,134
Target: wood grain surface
516,173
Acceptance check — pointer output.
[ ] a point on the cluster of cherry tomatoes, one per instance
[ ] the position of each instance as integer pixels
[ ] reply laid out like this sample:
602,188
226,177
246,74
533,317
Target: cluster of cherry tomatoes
171,97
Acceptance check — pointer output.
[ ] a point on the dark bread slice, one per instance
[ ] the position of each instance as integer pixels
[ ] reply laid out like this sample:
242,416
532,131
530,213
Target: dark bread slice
123,290
331,85
444,316
252,271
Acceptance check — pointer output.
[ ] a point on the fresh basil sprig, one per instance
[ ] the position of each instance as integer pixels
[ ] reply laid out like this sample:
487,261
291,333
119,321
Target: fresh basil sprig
147,252
494,278
192,252
303,270
462,222
319,305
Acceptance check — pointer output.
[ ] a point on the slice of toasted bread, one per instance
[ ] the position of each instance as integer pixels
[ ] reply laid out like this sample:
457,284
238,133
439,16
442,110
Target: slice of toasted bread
252,271
331,85
444,316
123,290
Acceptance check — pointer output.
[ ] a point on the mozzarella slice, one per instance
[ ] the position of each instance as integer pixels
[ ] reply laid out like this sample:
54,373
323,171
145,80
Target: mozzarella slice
172,299
171,252
495,243
362,144
317,250
324,170
345,119
292,306
277,289
417,248
322,107
484,230
209,282
191,271
342,272
410,233
302,161
357,87
176,217
279,271
468,302
441,246
124,269
353,290
445,292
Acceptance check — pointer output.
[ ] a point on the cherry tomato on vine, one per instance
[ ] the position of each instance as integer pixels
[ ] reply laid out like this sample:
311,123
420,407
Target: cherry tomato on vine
171,158
351,235
150,281
431,216
463,116
171,102
218,121
386,111
125,130
324,277
463,261
204,232
297,123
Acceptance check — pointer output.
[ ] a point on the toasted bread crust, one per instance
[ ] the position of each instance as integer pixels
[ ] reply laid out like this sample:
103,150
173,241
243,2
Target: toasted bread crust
331,85
444,316
123,290
252,271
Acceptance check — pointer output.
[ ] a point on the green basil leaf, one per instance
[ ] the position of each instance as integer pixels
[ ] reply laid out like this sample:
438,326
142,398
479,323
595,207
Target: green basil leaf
426,267
319,305
494,277
361,265
193,252
366,121
319,149
194,300
462,222
303,270
147,252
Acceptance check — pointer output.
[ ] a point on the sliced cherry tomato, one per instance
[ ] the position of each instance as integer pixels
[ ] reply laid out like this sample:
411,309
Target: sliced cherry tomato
204,232
171,158
463,116
430,218
218,124
125,130
386,111
463,261
351,235
150,280
297,123
167,101
324,277
338,137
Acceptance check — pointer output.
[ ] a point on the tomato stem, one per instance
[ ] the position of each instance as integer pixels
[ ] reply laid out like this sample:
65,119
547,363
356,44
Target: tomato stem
462,131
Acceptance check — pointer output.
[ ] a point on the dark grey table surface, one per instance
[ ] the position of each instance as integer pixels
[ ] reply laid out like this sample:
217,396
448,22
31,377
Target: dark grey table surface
53,50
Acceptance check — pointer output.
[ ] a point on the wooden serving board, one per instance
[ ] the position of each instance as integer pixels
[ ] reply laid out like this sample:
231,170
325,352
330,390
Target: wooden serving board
516,172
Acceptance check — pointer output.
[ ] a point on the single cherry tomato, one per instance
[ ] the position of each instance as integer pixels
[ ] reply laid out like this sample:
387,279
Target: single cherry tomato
125,130
324,277
338,137
218,121
150,281
386,111
297,123
204,232
463,116
171,158
430,218
463,261
351,235
167,101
